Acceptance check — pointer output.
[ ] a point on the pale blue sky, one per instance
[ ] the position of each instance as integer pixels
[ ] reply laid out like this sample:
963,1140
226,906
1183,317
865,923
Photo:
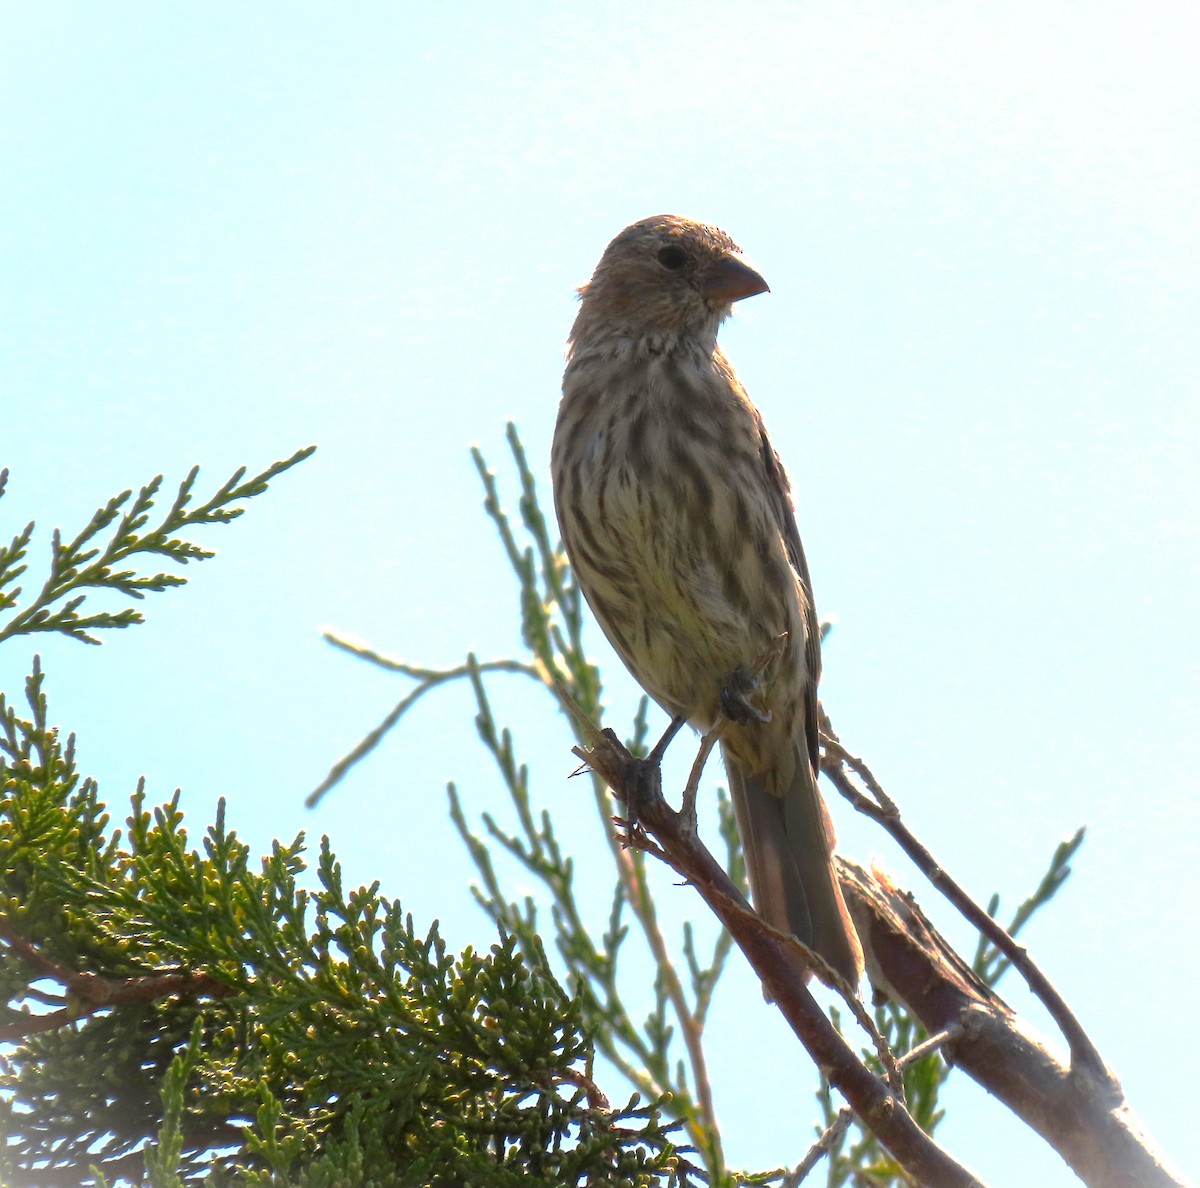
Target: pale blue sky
227,232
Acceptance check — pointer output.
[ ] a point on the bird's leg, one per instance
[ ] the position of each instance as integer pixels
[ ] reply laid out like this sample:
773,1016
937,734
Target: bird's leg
643,777
736,691
660,747
743,682
687,810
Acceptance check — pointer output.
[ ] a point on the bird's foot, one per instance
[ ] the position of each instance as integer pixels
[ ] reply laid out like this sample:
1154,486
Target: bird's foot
743,682
643,788
736,691
643,777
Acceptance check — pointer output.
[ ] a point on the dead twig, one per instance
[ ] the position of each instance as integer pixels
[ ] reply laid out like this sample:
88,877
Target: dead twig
882,809
87,993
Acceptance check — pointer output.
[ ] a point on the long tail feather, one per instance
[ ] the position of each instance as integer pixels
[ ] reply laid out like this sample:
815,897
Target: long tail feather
788,842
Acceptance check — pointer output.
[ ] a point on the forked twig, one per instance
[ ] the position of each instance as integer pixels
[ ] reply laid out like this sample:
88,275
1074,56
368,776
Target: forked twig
882,809
838,1127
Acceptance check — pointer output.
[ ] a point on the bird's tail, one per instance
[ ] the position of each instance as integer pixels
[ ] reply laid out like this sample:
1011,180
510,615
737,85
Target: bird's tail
788,842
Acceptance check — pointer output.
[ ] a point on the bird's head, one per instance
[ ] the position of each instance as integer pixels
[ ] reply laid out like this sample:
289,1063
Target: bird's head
665,277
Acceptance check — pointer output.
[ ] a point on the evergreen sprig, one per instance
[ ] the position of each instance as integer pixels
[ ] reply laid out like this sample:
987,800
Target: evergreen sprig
189,1013
989,963
660,1051
94,559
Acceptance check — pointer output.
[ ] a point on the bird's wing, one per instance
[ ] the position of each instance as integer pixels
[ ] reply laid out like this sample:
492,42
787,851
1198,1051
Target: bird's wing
779,487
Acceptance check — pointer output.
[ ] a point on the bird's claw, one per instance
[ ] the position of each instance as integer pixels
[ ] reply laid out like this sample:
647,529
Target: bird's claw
739,686
643,787
743,682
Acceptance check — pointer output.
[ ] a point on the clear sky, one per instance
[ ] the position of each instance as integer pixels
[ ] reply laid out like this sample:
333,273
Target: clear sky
227,231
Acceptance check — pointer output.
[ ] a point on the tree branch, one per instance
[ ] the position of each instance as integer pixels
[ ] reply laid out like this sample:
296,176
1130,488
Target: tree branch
91,992
782,973
1084,1055
1084,1117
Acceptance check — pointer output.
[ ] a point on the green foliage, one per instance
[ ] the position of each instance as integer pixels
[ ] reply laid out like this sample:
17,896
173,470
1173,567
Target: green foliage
989,963
659,1047
260,1033
174,1014
90,563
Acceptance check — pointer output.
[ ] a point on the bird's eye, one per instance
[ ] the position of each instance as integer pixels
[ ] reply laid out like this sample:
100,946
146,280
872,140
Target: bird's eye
673,258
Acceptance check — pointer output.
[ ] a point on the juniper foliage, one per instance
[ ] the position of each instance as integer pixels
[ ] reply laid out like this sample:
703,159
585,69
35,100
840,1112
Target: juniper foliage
176,1014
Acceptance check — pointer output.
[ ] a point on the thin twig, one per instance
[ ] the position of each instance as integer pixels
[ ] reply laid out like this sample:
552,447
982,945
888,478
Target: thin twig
1084,1054
91,992
830,1137
632,873
430,678
838,1127
687,808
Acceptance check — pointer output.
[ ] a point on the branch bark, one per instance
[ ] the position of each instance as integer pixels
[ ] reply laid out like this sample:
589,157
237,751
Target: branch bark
775,961
884,811
87,993
1082,1115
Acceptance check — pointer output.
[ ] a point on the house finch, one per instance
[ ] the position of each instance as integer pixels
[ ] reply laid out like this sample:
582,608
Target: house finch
676,515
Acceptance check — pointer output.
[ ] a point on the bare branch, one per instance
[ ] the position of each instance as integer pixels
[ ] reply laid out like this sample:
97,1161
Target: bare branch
832,1133
883,810
1085,1118
782,974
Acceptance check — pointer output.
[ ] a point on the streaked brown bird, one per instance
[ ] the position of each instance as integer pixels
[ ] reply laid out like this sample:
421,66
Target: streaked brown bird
676,515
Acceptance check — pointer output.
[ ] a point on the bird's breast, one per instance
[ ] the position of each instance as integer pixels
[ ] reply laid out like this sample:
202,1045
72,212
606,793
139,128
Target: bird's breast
661,499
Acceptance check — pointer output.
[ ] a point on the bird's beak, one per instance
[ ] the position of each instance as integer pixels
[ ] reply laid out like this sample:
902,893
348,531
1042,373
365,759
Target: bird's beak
729,280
